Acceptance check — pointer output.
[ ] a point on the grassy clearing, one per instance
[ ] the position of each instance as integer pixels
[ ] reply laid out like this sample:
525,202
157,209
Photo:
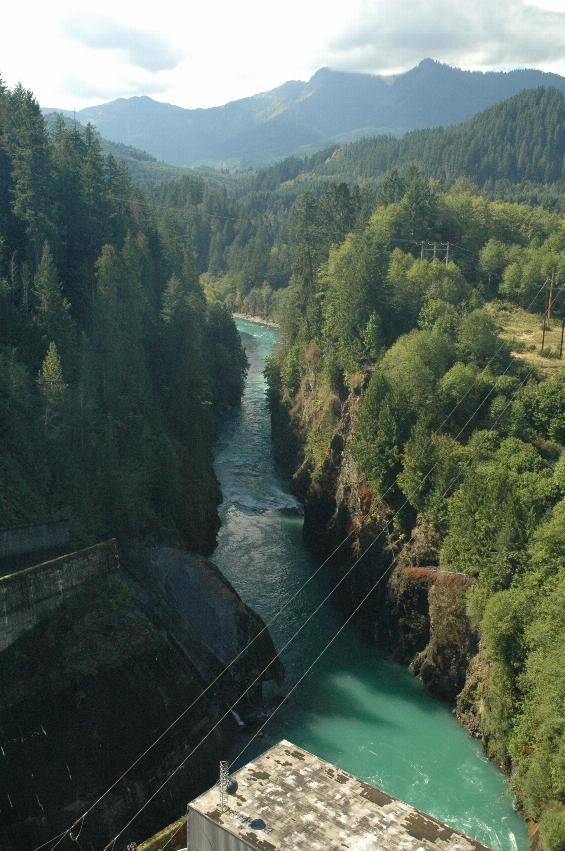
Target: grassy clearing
523,331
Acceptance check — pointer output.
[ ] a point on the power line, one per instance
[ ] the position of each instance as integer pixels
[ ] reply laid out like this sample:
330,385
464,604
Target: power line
283,608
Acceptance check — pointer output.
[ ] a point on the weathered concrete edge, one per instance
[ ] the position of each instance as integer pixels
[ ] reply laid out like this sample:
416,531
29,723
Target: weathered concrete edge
30,595
54,561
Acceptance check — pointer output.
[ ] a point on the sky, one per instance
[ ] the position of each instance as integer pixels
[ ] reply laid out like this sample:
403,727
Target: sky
200,53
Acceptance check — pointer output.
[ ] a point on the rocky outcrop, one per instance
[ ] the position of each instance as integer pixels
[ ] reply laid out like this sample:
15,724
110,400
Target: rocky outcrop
406,611
406,605
469,703
207,619
341,518
443,665
105,674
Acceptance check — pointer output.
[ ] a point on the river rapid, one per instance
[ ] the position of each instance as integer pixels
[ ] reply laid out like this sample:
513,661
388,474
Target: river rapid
355,708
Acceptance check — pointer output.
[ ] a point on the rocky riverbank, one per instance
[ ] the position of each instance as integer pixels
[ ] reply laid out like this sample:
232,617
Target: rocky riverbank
258,320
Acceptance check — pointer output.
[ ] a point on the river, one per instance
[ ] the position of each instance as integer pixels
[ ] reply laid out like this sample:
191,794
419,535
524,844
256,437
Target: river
355,709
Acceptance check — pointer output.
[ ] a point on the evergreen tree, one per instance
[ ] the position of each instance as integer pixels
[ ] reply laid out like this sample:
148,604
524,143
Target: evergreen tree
28,148
51,308
53,387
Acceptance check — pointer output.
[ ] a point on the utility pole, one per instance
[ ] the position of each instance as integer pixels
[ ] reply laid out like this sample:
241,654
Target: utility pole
446,253
550,300
545,313
551,289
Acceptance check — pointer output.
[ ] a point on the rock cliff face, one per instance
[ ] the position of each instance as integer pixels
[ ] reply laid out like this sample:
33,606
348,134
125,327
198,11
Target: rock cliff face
417,612
105,675
207,619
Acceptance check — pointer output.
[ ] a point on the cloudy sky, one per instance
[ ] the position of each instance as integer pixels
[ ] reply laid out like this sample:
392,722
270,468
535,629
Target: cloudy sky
197,53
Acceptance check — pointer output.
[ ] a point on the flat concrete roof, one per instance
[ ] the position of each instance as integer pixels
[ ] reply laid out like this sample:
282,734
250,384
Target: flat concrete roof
311,805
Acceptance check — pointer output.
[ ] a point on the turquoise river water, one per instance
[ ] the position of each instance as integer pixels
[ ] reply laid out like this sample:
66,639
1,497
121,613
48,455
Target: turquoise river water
355,708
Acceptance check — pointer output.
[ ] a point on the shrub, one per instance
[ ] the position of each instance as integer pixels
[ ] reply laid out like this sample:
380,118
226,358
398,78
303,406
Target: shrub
552,829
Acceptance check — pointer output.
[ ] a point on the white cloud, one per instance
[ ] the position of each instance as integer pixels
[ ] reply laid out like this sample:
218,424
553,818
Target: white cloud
482,34
147,50
207,52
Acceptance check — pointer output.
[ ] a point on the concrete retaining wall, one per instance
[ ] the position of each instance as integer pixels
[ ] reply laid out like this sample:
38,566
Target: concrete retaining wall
29,539
203,833
29,595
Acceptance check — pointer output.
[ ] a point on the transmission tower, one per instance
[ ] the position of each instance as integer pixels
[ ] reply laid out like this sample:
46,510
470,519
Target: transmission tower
438,250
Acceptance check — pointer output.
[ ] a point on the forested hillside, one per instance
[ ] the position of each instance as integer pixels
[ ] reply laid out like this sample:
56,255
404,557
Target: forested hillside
113,367
391,360
519,141
246,238
244,229
144,169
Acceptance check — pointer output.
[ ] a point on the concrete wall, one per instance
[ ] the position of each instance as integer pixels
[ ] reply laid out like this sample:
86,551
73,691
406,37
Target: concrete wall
204,834
29,595
29,539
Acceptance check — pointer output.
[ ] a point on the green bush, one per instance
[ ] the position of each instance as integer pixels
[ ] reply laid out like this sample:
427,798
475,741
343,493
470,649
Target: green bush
292,369
552,829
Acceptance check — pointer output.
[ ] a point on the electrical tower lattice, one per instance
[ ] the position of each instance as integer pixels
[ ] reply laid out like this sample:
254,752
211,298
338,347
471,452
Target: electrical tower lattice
224,777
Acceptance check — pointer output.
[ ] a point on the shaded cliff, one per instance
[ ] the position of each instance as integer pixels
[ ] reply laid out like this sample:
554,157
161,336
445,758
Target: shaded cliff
105,675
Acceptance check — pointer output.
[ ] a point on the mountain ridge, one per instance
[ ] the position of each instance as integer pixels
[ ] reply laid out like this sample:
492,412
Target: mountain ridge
301,117
519,139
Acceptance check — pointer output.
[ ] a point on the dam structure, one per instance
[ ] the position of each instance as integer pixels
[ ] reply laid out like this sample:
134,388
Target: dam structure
290,799
29,595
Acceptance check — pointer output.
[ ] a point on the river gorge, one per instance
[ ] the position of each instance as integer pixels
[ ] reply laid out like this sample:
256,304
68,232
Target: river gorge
356,708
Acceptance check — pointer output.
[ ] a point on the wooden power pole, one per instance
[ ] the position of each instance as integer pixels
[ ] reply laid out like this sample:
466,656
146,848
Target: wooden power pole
547,309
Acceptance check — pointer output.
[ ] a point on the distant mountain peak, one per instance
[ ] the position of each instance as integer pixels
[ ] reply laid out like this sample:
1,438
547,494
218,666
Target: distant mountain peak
434,65
321,73
300,117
